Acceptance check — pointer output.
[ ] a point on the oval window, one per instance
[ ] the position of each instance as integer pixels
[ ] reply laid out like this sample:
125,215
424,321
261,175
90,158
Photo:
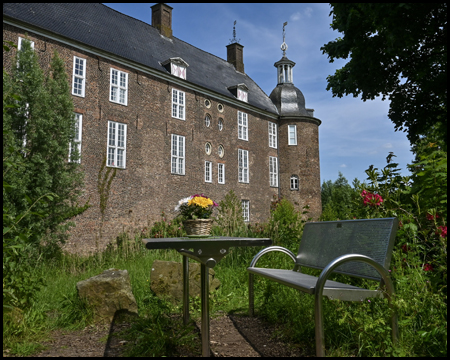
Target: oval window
220,124
221,151
208,148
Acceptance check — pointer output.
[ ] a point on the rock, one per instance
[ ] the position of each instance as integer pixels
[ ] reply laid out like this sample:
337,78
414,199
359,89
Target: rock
167,279
108,292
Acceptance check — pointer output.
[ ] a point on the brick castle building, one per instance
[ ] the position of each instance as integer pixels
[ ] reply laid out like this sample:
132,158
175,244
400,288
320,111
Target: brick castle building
173,120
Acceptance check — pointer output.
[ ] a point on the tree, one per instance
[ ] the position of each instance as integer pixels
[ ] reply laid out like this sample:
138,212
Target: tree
397,51
40,124
336,199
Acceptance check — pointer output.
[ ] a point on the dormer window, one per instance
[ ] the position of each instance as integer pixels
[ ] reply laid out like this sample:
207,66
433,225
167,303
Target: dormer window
176,66
240,91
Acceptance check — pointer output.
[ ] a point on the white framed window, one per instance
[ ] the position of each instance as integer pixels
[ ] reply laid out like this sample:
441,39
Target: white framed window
246,210
208,171
178,70
243,165
292,134
294,182
207,120
76,143
273,171
272,135
19,43
118,87
178,104
242,126
178,152
221,173
78,76
117,144
242,95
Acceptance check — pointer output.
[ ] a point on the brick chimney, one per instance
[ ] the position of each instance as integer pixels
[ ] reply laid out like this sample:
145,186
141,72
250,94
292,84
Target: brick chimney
162,19
235,56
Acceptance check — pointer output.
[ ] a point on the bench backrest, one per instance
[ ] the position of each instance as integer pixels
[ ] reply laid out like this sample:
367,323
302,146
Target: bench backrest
324,241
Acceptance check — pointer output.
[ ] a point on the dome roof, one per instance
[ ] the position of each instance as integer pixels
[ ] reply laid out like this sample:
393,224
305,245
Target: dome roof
289,100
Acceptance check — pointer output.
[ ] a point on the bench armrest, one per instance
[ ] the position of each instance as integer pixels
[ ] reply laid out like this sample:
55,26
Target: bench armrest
318,291
270,249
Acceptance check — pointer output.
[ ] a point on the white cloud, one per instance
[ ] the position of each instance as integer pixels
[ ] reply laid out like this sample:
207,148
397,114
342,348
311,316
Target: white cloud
387,146
296,16
308,11
343,166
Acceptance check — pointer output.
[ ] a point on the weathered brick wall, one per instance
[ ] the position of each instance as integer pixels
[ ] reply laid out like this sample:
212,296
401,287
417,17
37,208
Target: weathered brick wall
146,187
301,160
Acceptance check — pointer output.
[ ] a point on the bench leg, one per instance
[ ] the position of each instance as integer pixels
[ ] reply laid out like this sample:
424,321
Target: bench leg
318,318
251,297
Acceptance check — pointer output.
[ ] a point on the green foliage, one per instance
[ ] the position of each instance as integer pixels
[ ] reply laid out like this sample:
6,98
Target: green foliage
336,199
398,51
430,177
40,187
39,122
164,228
285,226
230,218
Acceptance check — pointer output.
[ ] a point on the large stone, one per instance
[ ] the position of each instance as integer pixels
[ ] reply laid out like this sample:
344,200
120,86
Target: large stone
167,279
108,292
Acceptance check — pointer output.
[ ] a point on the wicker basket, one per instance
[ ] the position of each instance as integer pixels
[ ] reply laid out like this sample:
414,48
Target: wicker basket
198,226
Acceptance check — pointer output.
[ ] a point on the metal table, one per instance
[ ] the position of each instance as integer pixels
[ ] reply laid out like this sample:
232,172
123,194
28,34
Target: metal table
208,251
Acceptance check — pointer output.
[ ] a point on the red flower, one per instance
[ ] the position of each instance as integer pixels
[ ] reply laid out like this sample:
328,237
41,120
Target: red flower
405,248
442,231
431,217
371,199
427,267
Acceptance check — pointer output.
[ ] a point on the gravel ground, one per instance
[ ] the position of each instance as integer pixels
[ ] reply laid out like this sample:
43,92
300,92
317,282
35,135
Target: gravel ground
231,335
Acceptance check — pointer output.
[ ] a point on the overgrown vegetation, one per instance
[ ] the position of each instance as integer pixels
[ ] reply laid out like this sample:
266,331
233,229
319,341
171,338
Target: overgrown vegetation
40,185
31,219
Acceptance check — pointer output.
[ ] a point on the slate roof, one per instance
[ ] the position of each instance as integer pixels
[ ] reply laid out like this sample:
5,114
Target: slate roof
101,27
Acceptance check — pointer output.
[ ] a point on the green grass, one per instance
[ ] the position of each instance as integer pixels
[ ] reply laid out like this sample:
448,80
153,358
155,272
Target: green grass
351,329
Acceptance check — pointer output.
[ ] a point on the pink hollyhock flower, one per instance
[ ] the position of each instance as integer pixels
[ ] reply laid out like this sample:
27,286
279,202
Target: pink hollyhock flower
427,267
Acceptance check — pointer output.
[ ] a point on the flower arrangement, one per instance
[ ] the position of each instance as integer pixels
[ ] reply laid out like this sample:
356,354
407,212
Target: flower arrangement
194,207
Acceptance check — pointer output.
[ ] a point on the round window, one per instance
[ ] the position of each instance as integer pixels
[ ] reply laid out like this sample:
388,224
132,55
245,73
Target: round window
220,107
208,148
207,120
220,124
221,151
207,103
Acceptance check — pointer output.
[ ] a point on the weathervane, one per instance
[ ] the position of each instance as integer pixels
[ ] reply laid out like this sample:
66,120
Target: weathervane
284,45
234,40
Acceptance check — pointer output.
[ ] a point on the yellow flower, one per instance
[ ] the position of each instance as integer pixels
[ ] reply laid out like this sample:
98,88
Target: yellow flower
200,201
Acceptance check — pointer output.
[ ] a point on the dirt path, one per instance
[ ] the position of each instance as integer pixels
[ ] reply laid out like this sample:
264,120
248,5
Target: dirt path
231,335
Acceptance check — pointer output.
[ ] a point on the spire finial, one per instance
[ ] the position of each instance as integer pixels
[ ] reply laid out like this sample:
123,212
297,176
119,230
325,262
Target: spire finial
234,40
284,45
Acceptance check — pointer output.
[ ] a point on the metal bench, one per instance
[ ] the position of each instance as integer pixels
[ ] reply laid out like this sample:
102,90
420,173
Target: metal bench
360,248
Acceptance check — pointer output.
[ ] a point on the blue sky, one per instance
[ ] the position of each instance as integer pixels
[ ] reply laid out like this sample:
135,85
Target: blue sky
354,134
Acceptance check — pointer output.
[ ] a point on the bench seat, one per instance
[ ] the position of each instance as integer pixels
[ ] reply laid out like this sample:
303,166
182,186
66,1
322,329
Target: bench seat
359,248
307,284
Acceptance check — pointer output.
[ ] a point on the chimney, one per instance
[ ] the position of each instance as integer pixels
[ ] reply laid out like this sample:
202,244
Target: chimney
162,19
235,56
